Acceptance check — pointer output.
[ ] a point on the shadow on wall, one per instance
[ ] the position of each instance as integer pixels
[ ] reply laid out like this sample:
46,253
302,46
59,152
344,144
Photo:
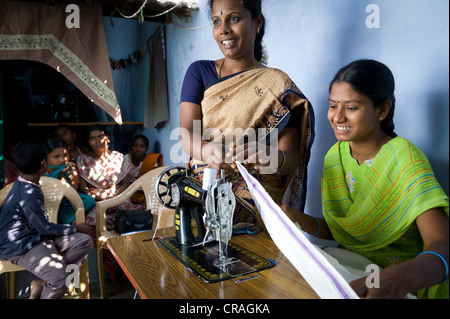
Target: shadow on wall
439,137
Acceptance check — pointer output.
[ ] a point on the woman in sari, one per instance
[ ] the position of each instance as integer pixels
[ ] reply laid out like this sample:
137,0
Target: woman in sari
380,198
141,163
104,174
237,108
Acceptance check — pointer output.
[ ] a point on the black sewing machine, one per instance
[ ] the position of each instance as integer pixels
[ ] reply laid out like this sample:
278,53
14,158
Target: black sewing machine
203,226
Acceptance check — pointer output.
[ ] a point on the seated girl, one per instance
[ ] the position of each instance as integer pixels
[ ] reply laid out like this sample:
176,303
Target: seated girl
380,197
60,168
141,163
68,135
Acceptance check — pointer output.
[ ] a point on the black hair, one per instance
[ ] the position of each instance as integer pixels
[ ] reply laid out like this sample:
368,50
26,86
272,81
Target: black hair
143,137
255,8
28,156
98,127
376,81
54,143
62,125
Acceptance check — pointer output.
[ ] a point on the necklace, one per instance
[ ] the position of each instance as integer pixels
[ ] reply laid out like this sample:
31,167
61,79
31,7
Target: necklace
355,155
223,62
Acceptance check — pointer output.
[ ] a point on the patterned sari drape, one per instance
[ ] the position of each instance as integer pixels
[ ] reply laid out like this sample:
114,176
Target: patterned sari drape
263,101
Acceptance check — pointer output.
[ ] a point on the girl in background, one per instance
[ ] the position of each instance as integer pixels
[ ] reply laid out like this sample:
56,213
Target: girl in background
139,148
141,163
61,168
68,135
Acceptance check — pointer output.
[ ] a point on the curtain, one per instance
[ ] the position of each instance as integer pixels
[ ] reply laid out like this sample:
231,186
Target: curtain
38,32
157,108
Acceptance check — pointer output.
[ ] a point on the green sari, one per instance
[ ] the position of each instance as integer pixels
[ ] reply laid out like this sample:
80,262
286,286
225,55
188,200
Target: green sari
371,208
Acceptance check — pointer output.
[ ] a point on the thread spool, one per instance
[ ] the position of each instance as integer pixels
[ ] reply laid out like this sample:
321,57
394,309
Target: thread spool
209,177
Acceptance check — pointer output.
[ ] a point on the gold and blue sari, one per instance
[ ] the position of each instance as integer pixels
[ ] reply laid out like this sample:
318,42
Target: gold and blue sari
266,101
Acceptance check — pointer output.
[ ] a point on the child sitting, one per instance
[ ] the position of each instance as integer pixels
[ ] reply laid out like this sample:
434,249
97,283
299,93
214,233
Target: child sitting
28,239
62,169
68,135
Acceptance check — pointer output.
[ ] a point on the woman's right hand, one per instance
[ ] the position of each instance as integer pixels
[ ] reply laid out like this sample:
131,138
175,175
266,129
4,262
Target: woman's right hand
215,155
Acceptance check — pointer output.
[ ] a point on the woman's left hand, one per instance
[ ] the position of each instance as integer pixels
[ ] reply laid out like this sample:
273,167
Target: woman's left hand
256,155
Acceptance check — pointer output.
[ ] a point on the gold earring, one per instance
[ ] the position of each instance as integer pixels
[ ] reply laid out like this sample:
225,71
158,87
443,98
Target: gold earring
381,118
257,31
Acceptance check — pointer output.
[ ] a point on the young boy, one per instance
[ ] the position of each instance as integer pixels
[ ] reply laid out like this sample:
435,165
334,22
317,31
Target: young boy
28,239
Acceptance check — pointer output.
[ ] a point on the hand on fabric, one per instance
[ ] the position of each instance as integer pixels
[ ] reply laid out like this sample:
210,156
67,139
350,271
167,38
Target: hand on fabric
255,155
392,285
215,156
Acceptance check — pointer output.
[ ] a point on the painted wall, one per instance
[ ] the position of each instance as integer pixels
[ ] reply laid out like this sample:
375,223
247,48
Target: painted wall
311,40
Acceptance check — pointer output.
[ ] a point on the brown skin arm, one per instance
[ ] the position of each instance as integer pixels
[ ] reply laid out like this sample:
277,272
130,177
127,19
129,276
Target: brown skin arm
192,143
220,158
396,281
308,223
420,272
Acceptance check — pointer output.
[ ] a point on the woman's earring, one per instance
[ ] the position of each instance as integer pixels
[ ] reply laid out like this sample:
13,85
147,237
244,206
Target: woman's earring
257,31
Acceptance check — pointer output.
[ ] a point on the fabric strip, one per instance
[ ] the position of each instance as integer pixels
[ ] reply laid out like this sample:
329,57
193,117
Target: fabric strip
323,278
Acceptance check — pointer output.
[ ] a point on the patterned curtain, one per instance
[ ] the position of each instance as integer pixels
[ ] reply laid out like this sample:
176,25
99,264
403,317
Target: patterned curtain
38,32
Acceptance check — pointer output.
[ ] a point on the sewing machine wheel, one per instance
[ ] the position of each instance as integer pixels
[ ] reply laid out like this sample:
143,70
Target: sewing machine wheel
163,188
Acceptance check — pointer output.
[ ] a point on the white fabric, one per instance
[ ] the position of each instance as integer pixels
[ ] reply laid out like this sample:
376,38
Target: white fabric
318,270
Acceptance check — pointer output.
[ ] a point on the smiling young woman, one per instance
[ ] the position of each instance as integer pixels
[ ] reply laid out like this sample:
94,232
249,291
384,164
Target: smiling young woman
354,118
380,198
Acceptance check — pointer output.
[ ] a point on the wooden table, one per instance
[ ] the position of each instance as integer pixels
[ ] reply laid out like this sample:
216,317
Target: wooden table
155,273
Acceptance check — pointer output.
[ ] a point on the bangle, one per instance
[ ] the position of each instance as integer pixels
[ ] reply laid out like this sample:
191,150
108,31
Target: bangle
318,221
284,159
442,258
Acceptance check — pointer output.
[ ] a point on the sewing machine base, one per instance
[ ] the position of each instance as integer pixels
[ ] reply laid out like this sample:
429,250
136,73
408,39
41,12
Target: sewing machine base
203,260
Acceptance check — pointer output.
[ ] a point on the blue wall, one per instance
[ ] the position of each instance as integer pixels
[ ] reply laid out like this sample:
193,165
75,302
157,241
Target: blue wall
311,40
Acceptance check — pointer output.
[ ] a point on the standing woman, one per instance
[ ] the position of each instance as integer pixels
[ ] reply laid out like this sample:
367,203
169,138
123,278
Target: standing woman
380,198
235,96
